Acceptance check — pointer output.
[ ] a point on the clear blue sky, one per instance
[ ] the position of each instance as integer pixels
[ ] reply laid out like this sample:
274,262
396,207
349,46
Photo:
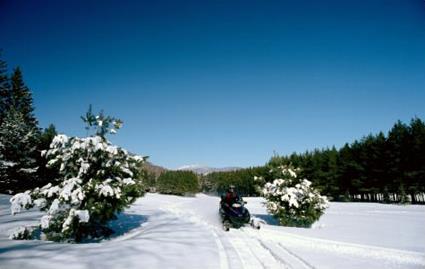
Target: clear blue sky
222,83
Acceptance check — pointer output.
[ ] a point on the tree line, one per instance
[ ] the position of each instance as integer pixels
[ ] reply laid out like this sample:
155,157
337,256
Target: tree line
177,183
243,180
378,168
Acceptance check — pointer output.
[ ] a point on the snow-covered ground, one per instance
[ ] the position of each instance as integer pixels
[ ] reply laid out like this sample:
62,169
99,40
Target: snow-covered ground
161,231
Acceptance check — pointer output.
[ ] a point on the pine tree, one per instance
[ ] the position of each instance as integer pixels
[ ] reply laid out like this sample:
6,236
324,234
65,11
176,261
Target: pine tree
403,196
101,124
398,154
3,165
97,180
5,95
22,98
18,144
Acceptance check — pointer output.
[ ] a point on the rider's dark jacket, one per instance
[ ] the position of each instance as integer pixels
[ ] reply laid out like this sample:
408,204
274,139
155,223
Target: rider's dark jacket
231,198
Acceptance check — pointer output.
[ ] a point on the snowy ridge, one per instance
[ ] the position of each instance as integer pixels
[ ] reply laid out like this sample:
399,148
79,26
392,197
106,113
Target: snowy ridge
204,169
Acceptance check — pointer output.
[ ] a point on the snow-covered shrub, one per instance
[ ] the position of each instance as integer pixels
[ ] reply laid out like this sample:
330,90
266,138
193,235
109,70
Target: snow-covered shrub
23,233
97,181
292,200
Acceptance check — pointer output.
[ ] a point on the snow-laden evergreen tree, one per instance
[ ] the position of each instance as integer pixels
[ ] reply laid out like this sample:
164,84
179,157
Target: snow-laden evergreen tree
4,90
16,105
21,98
5,95
3,165
97,181
291,199
14,94
19,134
18,143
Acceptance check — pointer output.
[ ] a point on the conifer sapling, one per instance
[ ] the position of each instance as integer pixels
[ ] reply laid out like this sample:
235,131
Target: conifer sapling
97,180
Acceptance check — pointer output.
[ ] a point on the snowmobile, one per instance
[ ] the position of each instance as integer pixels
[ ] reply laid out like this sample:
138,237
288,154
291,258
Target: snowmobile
236,215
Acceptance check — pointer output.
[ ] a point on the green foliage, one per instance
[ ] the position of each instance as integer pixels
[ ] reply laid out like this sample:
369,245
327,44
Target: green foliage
403,196
178,183
18,143
151,181
21,165
5,95
370,169
96,181
21,98
243,180
45,173
101,124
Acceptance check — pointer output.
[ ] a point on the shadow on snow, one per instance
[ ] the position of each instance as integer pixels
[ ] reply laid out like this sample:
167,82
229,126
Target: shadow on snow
269,219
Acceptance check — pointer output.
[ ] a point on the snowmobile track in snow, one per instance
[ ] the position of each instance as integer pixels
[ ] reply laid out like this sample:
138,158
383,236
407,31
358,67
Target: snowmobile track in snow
224,261
344,249
162,231
281,253
301,263
251,253
285,256
247,248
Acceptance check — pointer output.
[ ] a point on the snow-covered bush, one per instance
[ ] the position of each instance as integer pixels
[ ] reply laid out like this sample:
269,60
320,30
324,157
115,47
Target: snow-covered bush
97,181
23,233
292,200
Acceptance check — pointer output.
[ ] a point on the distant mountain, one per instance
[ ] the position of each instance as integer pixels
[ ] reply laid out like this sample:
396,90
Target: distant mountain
204,170
154,169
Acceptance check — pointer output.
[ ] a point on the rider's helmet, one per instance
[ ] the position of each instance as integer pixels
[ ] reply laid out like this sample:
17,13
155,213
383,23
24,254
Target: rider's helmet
231,188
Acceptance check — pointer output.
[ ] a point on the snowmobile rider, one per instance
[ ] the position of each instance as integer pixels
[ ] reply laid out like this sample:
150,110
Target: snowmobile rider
231,196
